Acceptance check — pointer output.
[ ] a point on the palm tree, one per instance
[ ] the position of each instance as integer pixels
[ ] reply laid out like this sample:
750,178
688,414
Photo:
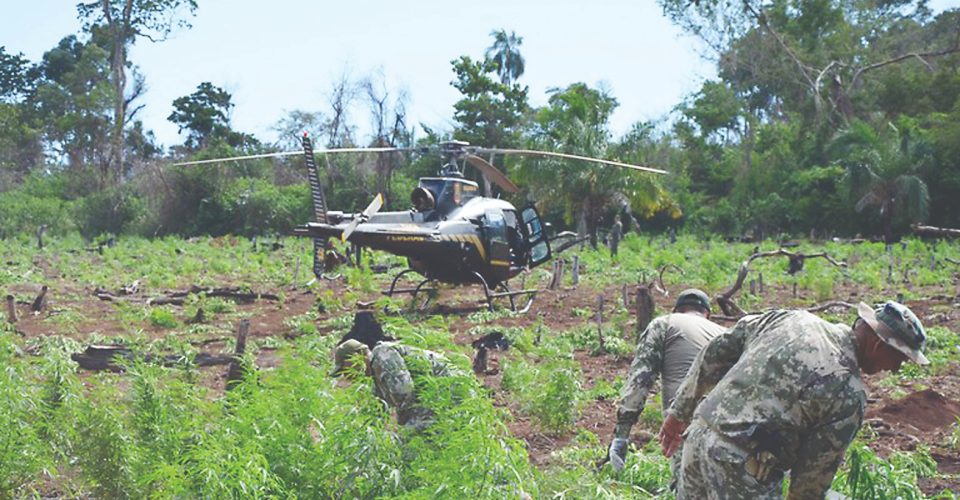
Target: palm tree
505,53
881,171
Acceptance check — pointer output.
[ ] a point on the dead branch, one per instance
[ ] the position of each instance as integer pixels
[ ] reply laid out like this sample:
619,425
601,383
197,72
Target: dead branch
952,261
922,56
730,308
659,284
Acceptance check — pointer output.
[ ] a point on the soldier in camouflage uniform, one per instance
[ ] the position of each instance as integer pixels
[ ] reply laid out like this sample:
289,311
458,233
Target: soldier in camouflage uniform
783,392
395,368
666,350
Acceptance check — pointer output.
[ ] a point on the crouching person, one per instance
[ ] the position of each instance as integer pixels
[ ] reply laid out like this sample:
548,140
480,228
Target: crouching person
397,372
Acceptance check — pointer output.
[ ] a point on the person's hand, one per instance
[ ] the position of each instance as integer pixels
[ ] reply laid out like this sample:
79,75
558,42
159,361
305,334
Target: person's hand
618,453
671,435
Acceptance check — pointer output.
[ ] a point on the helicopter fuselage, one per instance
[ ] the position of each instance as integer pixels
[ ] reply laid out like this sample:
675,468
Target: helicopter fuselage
462,236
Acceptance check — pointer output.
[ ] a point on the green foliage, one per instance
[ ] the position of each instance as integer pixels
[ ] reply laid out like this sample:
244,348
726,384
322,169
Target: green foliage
162,317
550,392
111,211
867,476
23,453
39,201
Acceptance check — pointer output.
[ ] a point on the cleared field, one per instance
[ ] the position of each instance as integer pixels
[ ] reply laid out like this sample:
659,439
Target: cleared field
538,419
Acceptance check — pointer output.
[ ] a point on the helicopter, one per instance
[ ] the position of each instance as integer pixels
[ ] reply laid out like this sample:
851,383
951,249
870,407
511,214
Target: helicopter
452,234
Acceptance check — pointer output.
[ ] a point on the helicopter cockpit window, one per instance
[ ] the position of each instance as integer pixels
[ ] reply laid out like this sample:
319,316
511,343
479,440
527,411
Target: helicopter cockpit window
461,192
534,229
496,229
495,224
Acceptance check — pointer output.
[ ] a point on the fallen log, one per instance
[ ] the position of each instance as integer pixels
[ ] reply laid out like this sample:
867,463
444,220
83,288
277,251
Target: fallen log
937,232
227,292
177,298
114,357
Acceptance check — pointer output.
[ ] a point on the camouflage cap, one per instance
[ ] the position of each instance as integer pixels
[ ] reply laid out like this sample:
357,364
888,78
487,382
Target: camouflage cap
343,353
693,297
896,325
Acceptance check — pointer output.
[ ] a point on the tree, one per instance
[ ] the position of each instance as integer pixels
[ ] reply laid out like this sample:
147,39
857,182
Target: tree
491,112
204,114
505,54
575,120
123,22
16,80
881,172
827,47
72,105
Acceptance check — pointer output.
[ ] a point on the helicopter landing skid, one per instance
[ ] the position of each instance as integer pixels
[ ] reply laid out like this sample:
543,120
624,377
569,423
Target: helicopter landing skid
530,293
501,290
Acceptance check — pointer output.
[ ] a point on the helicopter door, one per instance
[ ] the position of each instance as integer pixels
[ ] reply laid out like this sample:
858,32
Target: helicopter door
536,237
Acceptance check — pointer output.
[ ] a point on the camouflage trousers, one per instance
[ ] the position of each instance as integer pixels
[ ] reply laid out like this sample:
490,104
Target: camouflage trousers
714,468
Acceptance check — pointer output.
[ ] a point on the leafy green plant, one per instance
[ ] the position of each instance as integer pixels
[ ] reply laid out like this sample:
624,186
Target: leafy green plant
162,317
551,393
866,475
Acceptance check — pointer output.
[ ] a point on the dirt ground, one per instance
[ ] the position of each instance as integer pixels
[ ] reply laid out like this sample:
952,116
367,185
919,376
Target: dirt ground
914,413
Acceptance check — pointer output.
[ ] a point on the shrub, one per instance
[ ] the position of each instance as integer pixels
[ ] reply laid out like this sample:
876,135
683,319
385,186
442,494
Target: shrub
111,210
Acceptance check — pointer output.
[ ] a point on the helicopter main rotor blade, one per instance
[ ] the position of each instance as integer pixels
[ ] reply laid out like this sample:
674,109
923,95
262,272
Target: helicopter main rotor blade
291,153
492,173
530,152
371,209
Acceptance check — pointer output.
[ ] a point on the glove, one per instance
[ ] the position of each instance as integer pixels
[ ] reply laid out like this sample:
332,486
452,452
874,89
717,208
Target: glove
671,435
618,453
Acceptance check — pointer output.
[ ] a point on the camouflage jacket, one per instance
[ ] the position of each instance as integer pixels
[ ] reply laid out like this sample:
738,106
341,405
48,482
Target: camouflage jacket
785,382
667,348
395,368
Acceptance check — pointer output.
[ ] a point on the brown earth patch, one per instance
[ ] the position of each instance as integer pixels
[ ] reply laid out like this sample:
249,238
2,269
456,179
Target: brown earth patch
926,411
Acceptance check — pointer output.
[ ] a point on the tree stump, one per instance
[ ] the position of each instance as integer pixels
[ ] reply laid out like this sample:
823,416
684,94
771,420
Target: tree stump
40,230
11,309
480,361
235,372
575,270
40,301
645,306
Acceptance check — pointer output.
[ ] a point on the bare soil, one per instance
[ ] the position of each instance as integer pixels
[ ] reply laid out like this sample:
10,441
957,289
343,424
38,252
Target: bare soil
917,412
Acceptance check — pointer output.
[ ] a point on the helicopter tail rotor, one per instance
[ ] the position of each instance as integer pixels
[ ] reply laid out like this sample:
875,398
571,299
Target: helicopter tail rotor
368,212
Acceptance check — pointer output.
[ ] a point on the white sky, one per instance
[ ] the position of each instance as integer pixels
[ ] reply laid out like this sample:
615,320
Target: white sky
282,55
